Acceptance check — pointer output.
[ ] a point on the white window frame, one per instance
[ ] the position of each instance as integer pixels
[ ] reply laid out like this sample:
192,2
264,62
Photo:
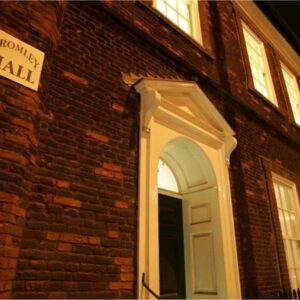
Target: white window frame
289,239
295,103
266,73
194,18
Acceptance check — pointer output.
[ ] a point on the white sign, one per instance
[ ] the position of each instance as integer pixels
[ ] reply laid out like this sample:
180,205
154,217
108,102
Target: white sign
19,61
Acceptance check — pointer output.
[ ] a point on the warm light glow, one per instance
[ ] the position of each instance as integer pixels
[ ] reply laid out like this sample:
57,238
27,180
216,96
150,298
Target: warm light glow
259,65
293,92
288,211
166,178
177,11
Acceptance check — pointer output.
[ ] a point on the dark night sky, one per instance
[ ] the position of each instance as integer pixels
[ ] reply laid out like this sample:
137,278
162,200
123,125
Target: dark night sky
286,15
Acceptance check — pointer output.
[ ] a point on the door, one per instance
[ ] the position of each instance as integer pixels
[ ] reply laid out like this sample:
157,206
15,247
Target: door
171,249
200,236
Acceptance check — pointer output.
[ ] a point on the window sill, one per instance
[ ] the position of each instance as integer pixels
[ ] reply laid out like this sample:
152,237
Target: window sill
148,5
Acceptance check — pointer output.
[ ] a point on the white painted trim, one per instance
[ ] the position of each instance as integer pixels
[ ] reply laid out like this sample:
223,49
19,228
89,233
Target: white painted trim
158,126
259,23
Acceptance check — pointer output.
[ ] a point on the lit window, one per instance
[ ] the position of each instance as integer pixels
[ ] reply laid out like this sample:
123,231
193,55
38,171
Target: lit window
293,91
289,217
183,13
259,65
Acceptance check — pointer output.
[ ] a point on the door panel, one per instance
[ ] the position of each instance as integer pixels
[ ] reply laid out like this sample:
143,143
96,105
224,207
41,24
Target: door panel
203,267
171,249
199,236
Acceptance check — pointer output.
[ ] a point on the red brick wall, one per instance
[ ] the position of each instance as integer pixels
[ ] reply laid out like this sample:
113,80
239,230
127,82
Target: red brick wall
69,153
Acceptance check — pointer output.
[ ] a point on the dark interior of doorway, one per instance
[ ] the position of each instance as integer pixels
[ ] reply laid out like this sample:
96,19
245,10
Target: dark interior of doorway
171,248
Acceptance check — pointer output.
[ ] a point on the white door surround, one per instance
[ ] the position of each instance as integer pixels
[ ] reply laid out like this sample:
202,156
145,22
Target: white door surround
176,115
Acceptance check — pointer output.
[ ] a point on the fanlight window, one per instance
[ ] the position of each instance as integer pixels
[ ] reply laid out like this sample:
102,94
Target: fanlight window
166,178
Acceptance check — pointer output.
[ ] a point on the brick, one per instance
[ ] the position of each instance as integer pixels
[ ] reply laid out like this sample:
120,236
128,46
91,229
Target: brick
7,274
7,285
120,285
38,264
64,247
33,159
5,217
9,198
76,78
62,184
112,167
5,295
25,104
94,240
11,229
113,234
119,176
67,201
33,139
12,263
126,269
5,239
123,260
15,210
99,137
73,238
16,139
127,277
13,156
22,123
102,172
121,204
58,295
118,108
52,236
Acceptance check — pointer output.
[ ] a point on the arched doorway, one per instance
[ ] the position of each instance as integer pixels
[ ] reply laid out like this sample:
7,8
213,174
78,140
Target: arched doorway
187,203
181,127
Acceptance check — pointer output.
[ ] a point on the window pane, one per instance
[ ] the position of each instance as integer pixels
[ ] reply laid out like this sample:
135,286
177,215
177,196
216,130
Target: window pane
161,6
183,8
171,14
293,279
282,196
282,223
289,256
293,92
184,25
288,224
172,3
295,251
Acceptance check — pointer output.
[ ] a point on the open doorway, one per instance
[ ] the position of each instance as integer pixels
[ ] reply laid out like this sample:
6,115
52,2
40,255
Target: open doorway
188,223
180,127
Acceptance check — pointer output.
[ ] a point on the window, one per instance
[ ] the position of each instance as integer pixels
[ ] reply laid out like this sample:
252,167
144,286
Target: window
293,91
166,178
289,217
183,13
259,65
